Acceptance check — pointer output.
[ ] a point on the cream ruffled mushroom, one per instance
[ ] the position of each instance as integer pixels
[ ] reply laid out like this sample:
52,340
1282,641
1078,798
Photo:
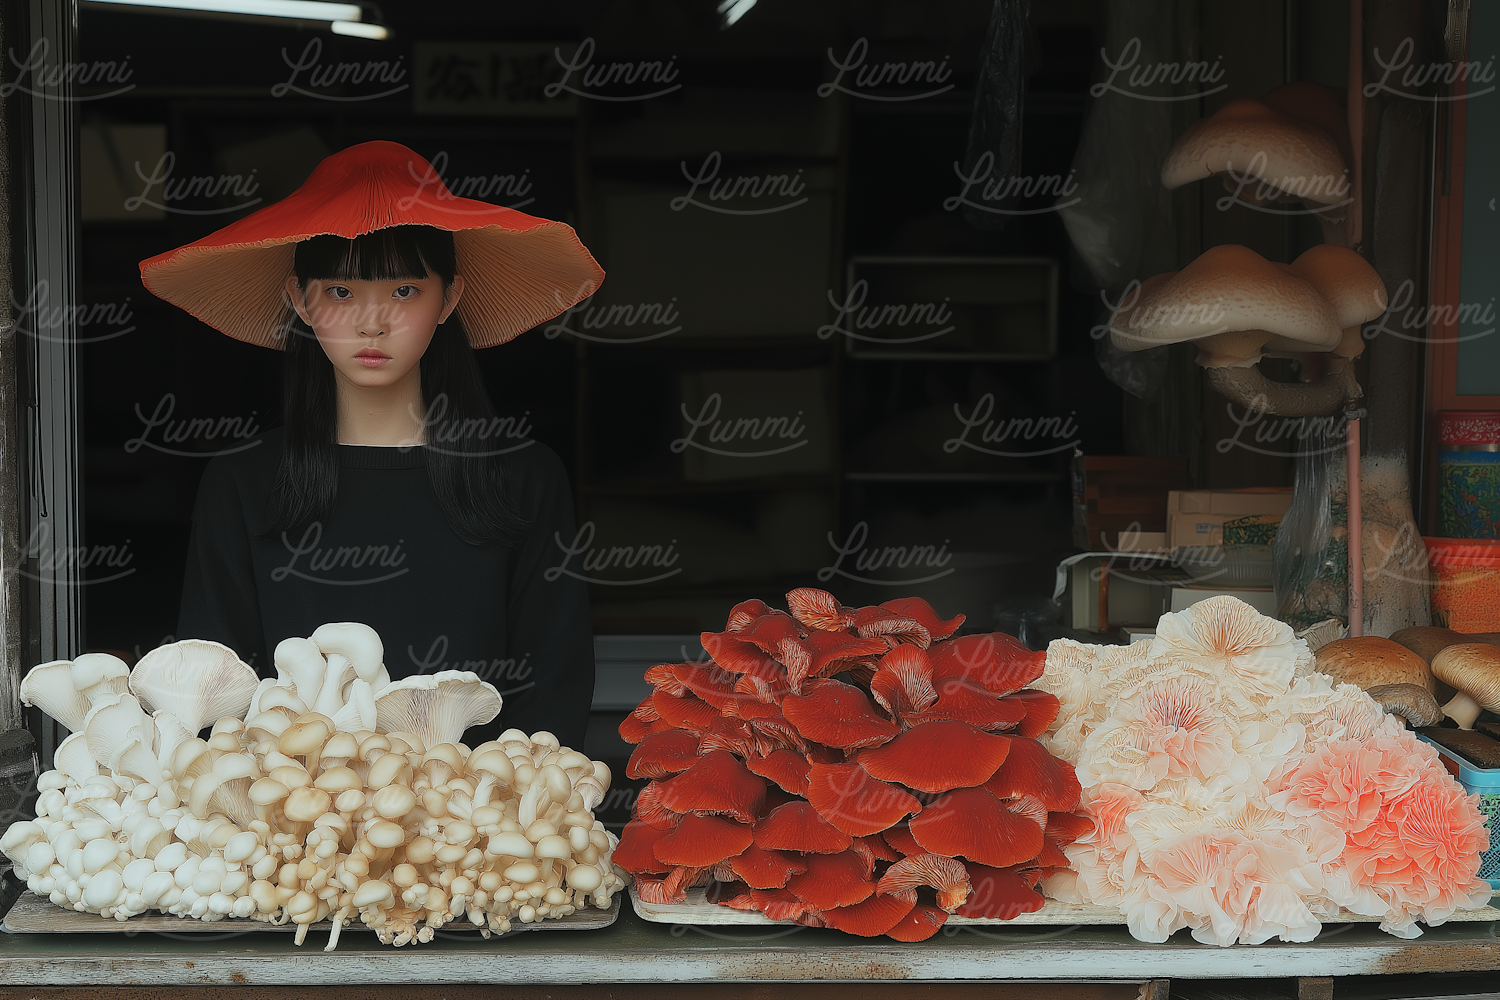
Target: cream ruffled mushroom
194,680
49,686
1226,635
436,707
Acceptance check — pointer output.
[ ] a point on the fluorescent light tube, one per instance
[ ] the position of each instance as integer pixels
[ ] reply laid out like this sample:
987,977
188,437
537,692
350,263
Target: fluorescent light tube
302,10
359,29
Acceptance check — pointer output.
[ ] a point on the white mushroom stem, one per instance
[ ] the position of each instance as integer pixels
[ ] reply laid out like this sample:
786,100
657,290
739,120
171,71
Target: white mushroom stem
1463,710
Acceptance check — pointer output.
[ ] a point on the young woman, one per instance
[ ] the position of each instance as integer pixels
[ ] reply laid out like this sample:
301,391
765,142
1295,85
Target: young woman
388,496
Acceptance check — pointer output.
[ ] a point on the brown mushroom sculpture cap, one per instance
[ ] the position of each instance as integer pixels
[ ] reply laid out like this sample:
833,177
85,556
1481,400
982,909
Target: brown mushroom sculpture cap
1369,661
1231,301
1349,284
1269,156
1412,702
1473,668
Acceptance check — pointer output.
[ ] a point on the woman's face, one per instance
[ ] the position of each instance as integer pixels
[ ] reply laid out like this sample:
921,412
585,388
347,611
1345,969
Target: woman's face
375,332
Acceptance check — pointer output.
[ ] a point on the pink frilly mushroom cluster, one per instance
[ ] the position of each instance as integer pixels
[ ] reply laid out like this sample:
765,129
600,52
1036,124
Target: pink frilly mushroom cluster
1239,793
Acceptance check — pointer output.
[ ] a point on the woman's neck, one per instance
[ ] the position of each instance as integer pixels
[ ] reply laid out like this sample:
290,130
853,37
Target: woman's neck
387,415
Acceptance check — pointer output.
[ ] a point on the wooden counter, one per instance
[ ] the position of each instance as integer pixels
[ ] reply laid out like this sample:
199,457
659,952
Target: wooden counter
634,951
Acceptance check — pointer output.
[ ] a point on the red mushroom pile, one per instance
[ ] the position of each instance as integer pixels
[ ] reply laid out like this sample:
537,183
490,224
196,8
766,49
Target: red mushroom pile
855,768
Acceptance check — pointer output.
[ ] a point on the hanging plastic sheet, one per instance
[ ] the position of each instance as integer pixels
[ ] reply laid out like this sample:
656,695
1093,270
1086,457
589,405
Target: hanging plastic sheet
993,157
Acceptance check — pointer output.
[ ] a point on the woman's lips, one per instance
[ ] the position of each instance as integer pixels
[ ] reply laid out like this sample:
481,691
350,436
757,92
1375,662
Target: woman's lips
372,358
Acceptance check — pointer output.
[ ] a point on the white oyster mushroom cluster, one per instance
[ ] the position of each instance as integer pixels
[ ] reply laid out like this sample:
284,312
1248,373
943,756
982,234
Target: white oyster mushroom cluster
330,791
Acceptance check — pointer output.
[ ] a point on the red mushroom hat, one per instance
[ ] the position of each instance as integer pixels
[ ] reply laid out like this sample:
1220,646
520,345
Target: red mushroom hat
519,270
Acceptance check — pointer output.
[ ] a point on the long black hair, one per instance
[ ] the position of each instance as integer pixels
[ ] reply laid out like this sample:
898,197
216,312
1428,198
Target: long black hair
466,474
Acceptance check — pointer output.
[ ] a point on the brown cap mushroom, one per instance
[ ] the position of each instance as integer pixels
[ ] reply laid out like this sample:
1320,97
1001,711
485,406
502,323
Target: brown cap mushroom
1369,661
1231,301
1349,284
1473,668
1412,702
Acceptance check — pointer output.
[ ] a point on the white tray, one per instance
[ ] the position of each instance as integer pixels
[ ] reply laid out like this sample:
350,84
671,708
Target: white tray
697,910
32,914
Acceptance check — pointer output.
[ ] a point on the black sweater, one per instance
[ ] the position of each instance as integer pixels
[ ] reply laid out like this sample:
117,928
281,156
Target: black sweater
387,557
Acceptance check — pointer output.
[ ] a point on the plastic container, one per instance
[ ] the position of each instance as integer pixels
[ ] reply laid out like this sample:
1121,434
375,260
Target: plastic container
1469,473
1485,781
1465,575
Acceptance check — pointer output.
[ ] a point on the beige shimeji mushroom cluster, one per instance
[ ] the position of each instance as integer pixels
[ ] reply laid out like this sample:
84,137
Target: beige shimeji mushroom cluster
327,792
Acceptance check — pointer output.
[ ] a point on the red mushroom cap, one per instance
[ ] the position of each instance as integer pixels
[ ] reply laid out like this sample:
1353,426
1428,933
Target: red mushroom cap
923,614
870,918
700,841
920,924
874,848
763,869
778,904
999,893
745,612
732,735
636,852
796,826
829,652
646,710
718,783
732,652
819,609
650,810
837,715
661,754
785,767
1030,770
669,890
764,681
849,798
902,681
831,880
971,823
1064,828
633,729
687,712
1050,856
937,757
964,701
944,874
900,839
995,661
876,622
708,681
1041,711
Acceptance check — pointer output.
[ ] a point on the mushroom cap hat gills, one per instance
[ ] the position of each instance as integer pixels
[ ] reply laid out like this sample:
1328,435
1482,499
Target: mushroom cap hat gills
1228,290
1296,158
436,707
1369,661
519,270
194,680
1473,668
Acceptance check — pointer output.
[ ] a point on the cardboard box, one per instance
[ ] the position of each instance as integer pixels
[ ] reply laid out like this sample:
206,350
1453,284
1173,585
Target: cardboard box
1115,493
1196,517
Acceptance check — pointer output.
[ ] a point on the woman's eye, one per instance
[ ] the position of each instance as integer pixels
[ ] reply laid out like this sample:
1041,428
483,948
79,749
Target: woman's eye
339,292
405,291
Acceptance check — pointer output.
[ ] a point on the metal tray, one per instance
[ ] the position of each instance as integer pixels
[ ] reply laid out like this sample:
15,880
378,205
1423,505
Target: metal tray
32,914
698,911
